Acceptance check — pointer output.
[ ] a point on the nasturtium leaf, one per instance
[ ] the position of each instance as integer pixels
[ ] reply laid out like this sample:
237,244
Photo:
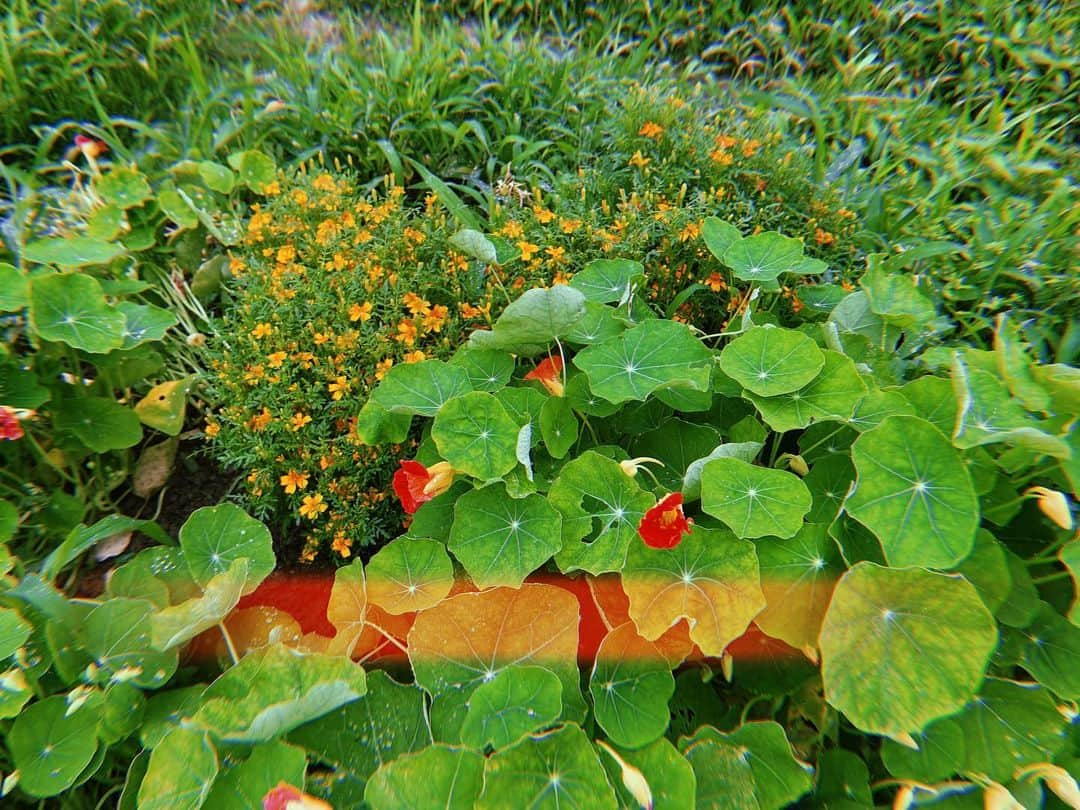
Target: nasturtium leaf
275,689
1070,558
547,772
420,388
217,177
685,400
475,245
843,780
719,235
987,568
14,631
15,692
797,578
652,355
691,483
438,776
988,414
524,406
829,480
376,425
558,426
752,768
1052,653
903,647
516,702
164,405
607,281
144,322
1015,366
71,309
117,634
434,518
529,325
179,623
101,424
668,774
832,395
765,257
896,298
177,208
501,540
49,747
20,388
182,770
347,608
385,723
940,753
72,251
469,638
601,508
711,579
214,536
854,316
476,435
599,323
14,289
933,400
631,685
676,444
754,501
254,169
769,361
878,405
1022,602
124,187
914,493
245,784
409,574
1062,382
487,370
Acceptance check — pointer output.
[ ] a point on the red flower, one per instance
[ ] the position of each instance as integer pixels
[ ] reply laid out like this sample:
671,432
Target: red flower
286,797
90,147
549,373
10,428
664,525
415,484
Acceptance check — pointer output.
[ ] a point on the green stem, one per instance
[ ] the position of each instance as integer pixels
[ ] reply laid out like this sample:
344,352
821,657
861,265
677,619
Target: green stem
229,643
1051,577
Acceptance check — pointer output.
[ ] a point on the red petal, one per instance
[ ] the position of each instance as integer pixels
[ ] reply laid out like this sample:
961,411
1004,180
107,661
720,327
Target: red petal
279,797
409,483
659,528
550,368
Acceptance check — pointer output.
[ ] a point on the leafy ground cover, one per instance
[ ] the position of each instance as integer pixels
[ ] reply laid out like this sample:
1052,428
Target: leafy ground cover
611,407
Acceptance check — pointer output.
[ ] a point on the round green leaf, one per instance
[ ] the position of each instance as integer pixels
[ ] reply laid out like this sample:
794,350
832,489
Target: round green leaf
854,316
501,540
254,169
144,322
72,251
214,536
101,424
275,689
754,501
896,297
769,361
71,309
438,776
50,749
606,281
179,623
117,634
420,388
831,396
14,289
14,631
516,702
376,425
763,258
475,244
122,712
529,324
558,426
752,767
933,400
829,480
903,647
476,435
691,482
1052,653
123,187
599,323
547,772
487,370
601,508
940,753
719,235
914,493
245,784
670,777
217,177
987,568
1070,558
876,406
409,574
711,579
20,388
181,772
631,685
654,354
177,208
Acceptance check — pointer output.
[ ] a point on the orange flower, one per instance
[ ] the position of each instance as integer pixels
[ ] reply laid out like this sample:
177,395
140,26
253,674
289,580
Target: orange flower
415,304
556,254
721,157
276,360
415,484
528,250
212,429
261,420
415,357
651,130
406,332
549,373
360,312
293,481
543,216
261,330
382,367
300,420
639,161
338,388
511,230
342,545
823,237
433,322
313,506
690,232
569,226
664,525
10,429
715,282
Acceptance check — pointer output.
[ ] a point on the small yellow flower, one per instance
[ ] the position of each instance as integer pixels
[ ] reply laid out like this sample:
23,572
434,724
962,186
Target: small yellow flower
651,130
415,357
300,420
569,226
261,420
543,215
294,481
360,312
324,182
342,545
415,304
639,161
261,330
382,367
212,429
313,506
691,232
286,254
528,250
406,332
338,388
556,254
512,230
277,359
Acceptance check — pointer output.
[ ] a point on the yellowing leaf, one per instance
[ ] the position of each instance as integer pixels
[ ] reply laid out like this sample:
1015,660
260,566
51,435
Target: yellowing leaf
164,405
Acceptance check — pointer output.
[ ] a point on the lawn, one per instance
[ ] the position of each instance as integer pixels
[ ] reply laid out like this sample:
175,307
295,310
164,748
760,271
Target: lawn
499,404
